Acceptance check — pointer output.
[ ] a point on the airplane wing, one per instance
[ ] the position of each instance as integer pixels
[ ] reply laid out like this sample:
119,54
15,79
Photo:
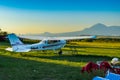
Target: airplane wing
75,37
58,38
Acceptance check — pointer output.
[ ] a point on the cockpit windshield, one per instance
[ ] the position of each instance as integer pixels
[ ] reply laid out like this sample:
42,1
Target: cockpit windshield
51,41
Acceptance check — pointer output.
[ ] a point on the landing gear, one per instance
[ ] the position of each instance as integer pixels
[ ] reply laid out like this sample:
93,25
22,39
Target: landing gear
60,52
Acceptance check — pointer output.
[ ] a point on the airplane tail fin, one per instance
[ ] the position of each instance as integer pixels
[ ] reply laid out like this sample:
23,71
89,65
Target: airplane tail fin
14,40
16,44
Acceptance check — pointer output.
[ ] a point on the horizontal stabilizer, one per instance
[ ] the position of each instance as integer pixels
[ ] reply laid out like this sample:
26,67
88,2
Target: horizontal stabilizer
22,50
18,50
9,49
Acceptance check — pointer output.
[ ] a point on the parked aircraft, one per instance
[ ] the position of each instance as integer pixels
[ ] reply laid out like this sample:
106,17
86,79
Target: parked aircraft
49,43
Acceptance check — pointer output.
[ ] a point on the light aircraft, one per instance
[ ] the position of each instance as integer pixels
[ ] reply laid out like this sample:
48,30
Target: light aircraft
49,43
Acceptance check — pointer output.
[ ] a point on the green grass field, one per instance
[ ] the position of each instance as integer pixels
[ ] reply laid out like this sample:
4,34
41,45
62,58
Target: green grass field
38,65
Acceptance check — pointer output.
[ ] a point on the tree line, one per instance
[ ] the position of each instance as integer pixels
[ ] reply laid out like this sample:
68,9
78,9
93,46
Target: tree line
107,40
3,35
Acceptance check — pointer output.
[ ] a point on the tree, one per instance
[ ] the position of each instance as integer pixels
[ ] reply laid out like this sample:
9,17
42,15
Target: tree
0,30
3,33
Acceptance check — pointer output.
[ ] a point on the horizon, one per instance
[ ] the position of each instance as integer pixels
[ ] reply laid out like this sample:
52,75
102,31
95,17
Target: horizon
39,16
71,31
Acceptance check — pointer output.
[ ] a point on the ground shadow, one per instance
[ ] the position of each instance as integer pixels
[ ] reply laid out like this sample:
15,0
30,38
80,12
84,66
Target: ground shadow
75,57
22,69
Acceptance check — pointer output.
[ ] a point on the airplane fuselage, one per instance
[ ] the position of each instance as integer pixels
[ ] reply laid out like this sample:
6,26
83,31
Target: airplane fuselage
44,45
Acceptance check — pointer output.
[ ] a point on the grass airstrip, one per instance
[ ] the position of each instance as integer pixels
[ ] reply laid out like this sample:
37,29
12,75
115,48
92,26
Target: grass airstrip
46,65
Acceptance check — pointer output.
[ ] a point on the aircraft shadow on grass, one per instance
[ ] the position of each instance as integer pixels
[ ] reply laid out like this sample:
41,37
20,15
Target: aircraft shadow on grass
75,58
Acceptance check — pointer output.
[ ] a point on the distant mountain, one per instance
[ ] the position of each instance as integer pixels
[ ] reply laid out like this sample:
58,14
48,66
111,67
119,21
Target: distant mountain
97,29
101,29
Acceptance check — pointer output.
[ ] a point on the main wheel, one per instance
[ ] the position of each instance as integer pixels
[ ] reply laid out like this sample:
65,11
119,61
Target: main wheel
60,52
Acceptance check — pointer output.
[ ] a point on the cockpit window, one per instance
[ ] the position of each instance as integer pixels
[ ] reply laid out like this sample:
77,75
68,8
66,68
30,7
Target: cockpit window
34,47
52,41
45,42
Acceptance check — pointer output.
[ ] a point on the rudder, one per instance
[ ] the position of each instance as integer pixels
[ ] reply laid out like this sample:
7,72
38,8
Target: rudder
14,40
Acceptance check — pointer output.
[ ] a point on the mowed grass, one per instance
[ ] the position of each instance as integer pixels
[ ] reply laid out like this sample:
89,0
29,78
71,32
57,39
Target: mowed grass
38,65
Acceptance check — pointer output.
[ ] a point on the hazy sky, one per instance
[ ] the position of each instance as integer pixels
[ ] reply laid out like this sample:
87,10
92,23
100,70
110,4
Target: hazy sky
38,16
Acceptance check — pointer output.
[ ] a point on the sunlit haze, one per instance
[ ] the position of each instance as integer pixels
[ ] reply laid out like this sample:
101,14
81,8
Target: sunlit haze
56,16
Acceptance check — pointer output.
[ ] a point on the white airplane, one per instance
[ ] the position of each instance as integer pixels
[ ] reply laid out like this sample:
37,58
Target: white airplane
49,43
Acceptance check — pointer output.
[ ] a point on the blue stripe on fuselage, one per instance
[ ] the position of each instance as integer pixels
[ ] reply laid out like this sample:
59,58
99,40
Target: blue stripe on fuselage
52,45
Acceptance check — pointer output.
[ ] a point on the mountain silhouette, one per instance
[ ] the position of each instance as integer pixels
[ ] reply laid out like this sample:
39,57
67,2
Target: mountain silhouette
97,29
101,29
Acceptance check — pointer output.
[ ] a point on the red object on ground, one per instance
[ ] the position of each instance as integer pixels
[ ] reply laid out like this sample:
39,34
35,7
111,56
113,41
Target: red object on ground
89,67
116,70
105,66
